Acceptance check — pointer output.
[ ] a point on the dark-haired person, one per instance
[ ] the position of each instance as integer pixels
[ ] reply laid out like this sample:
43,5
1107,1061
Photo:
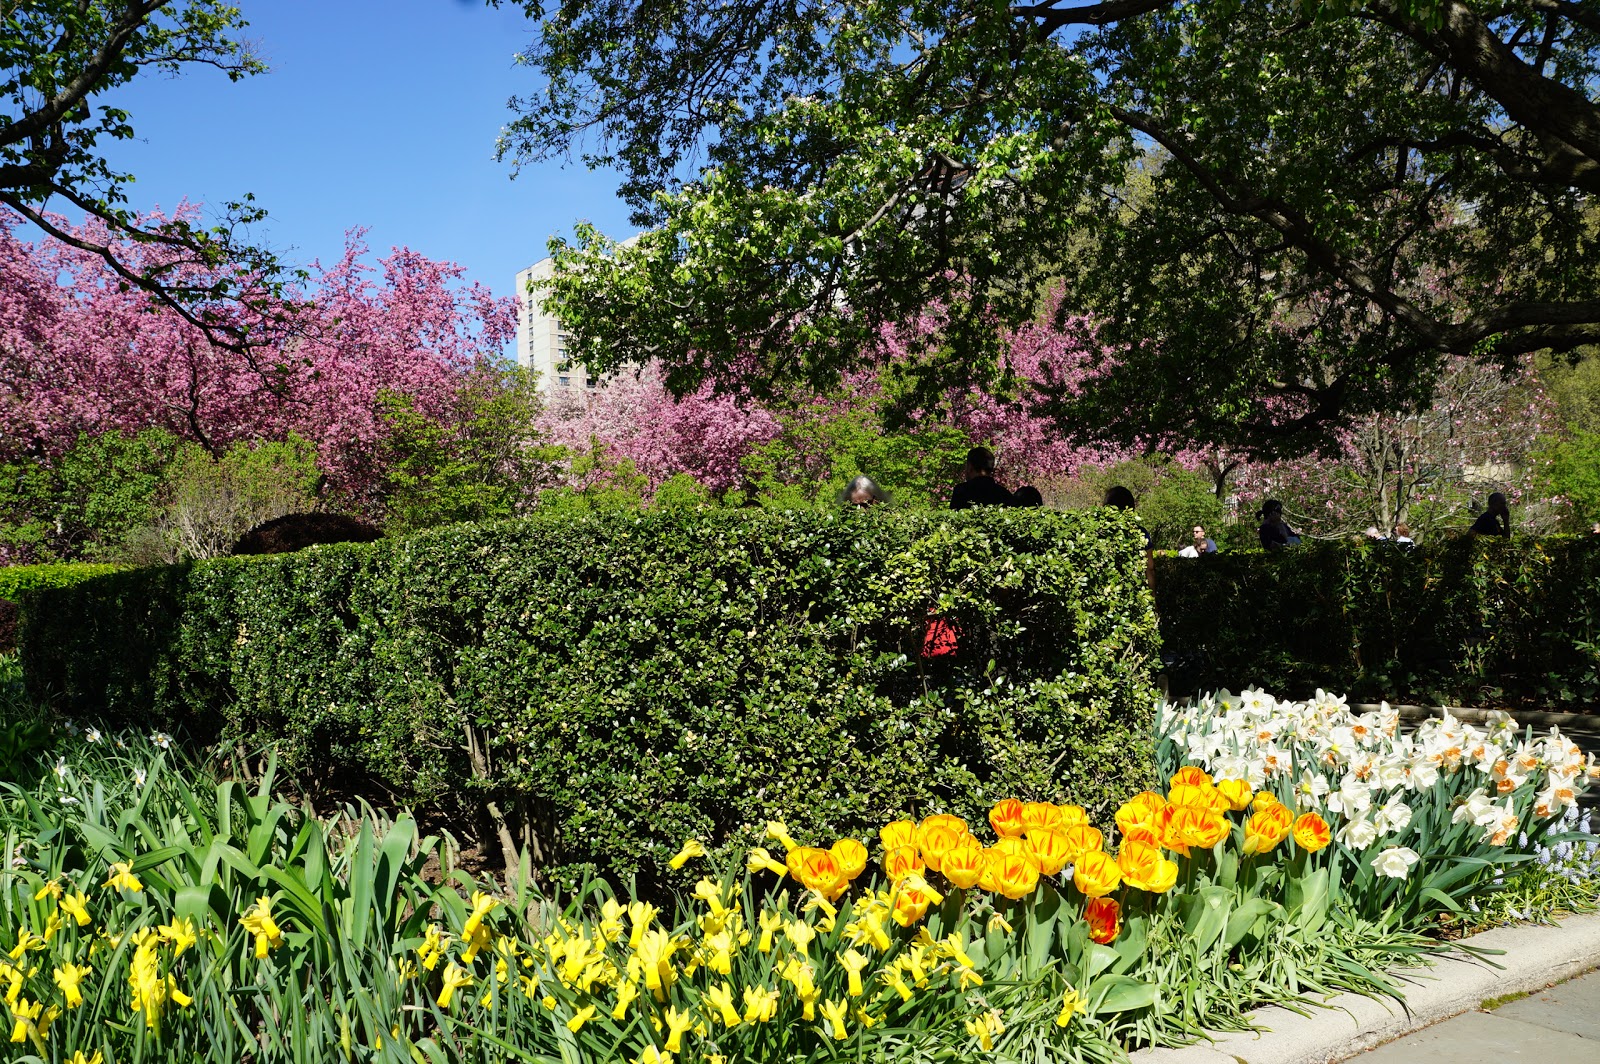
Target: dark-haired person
979,488
1027,496
1495,519
1275,532
1199,544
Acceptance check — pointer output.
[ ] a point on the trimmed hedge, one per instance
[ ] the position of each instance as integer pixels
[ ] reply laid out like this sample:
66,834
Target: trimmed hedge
1470,621
638,679
15,579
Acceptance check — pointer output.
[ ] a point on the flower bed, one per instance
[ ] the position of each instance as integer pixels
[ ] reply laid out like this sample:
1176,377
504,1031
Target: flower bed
1297,849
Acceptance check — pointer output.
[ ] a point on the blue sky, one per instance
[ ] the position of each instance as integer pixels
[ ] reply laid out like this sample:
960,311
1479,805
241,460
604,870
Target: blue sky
376,113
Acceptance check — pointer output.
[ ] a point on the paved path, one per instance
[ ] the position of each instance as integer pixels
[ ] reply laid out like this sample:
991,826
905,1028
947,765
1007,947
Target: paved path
1560,1025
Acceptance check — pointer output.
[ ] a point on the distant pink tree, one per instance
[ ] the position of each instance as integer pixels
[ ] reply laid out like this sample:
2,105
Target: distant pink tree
633,416
82,353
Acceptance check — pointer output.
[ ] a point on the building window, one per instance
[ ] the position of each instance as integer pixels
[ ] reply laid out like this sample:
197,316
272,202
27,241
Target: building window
564,380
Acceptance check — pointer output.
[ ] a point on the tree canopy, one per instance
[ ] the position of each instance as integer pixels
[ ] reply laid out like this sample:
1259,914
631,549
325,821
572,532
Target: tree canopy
1277,216
59,59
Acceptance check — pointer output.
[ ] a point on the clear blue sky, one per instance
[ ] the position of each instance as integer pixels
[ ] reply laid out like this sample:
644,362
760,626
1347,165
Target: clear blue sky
376,113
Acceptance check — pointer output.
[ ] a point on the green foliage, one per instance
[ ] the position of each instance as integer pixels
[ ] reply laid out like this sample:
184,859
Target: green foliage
16,579
1569,468
627,680
1463,622
815,456
597,484
485,462
1171,499
682,492
85,504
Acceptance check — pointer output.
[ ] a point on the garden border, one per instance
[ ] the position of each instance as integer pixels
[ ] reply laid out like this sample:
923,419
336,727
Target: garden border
1536,956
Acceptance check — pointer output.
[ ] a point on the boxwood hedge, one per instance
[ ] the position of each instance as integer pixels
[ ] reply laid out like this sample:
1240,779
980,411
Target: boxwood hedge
1469,621
632,680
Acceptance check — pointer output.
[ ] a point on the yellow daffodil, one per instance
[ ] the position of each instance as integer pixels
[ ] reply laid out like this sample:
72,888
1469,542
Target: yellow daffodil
67,977
854,961
122,878
834,1011
721,998
626,992
259,922
777,832
455,978
52,924
76,905
655,959
434,945
180,933
760,859
1071,1003
652,1055
678,1023
640,915
799,933
969,979
985,1028
895,979
79,1058
611,913
691,849
771,920
998,924
482,905
581,1017
50,889
760,1004
26,940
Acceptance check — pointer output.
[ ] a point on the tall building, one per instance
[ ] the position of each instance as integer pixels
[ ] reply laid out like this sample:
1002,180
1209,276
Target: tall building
541,341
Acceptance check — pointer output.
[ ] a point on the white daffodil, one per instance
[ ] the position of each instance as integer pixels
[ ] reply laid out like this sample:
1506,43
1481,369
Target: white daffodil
60,768
1395,862
1392,818
1358,833
92,734
162,739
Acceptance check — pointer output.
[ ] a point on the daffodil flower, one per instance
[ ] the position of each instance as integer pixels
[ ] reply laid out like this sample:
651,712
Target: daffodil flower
434,944
854,961
760,1004
67,977
771,920
677,1024
760,859
482,905
76,905
50,889
780,834
834,1012
1071,1003
896,980
626,992
259,922
690,849
455,978
640,915
79,1058
581,1017
721,998
799,933
122,877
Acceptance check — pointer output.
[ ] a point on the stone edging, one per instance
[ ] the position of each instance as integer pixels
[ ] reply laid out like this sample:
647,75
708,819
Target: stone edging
1535,957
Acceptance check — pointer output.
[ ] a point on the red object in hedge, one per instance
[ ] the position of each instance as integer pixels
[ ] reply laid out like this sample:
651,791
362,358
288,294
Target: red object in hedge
939,641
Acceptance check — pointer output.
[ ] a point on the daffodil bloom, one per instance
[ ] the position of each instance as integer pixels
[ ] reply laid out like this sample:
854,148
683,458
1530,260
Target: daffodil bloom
76,906
760,1004
969,979
980,1029
677,1024
177,996
581,1017
259,922
640,915
626,992
122,878
33,1022
50,889
777,832
455,978
434,945
655,960
711,894
854,961
79,1058
690,849
721,998
52,924
67,977
771,920
26,940
148,990
482,905
652,1055
895,979
834,1012
180,933
759,859
1071,1003
997,923
799,933
611,913
954,946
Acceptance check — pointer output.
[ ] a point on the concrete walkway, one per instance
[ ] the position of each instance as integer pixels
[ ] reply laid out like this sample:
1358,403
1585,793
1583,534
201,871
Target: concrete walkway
1561,1024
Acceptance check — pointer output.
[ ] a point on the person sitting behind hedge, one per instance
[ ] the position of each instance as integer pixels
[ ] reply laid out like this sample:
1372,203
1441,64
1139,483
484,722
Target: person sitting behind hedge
1495,520
1027,496
863,491
979,488
1200,544
1275,531
1402,536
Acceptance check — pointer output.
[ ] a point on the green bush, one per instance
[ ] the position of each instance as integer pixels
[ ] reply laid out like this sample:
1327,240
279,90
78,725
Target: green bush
15,579
631,680
1465,622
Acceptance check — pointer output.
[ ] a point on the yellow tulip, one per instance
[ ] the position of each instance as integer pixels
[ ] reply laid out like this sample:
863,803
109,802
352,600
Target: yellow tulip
691,848
1311,832
963,866
1266,828
1050,849
1237,793
1036,815
1191,775
1015,874
850,856
1006,818
897,834
1096,874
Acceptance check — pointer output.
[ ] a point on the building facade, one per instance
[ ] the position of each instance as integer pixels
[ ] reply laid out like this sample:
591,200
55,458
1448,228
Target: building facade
541,341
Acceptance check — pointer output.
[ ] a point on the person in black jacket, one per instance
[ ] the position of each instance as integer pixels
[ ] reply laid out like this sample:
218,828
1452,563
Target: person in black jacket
980,487
1496,520
1275,531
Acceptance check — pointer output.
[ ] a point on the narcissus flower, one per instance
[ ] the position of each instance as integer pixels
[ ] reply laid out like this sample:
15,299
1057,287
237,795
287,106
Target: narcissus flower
690,849
122,877
760,859
779,833
760,1004
721,998
1104,917
76,905
482,905
1395,862
677,1024
1311,832
68,977
1096,874
1072,1003
581,1017
1006,819
259,922
853,961
834,1012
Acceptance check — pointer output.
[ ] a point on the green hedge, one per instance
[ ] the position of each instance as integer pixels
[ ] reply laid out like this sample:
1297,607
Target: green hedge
637,679
15,579
1471,621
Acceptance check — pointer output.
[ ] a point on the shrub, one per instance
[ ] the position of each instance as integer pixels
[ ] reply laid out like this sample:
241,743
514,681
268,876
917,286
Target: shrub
293,532
1462,622
624,681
